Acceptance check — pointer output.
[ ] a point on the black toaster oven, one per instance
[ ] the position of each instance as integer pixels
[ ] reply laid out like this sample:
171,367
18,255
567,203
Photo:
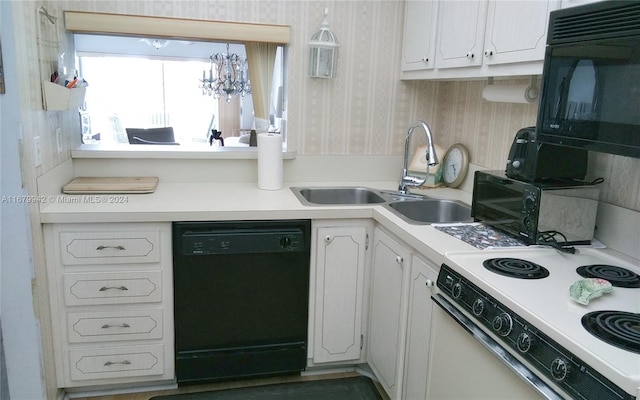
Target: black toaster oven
536,212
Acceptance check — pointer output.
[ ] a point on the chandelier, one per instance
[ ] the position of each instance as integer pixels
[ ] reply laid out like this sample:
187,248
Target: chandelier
228,76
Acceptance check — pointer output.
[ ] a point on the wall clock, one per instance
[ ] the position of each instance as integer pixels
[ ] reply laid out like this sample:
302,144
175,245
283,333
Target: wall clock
455,165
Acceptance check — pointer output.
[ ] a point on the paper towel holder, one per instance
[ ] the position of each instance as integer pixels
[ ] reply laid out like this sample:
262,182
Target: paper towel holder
532,91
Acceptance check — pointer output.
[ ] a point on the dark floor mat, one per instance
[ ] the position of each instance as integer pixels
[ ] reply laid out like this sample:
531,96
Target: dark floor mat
356,388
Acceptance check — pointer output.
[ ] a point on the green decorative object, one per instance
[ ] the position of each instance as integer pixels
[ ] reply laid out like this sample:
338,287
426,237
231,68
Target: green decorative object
585,290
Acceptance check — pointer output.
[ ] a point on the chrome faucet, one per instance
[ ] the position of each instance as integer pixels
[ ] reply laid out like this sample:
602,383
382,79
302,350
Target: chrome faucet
407,180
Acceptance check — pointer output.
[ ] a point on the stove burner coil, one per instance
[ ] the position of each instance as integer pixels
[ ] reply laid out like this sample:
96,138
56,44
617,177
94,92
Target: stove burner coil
618,328
516,268
618,276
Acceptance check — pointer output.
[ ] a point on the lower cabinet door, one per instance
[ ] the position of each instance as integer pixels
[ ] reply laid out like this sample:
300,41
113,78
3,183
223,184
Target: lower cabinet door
421,286
116,362
339,291
387,324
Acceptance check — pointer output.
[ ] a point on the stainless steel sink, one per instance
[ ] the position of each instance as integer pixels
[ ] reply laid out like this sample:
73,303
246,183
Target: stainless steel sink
415,209
337,195
431,211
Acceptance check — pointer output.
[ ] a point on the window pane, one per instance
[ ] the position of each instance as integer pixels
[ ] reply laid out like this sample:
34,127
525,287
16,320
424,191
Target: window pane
124,93
130,92
188,111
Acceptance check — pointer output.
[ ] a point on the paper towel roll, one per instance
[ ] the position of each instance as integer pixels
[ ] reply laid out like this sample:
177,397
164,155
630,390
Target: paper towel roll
510,93
270,175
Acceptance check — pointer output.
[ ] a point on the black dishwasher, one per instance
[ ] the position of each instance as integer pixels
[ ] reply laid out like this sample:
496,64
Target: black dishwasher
241,296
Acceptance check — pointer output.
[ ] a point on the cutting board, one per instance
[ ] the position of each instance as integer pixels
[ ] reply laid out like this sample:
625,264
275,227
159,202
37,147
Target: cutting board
87,184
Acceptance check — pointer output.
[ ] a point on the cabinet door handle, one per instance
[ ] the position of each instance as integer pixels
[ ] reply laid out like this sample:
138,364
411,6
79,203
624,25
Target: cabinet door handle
399,259
125,362
328,239
425,59
105,288
429,283
123,325
488,53
110,247
470,55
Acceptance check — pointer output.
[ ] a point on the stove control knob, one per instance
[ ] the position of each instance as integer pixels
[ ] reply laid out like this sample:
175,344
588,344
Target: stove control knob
457,291
524,342
478,307
559,369
503,324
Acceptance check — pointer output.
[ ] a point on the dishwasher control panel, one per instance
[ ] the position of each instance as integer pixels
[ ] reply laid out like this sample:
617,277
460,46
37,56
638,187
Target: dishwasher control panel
243,242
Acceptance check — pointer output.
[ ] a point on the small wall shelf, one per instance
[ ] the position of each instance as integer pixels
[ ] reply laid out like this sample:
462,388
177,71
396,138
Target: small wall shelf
59,98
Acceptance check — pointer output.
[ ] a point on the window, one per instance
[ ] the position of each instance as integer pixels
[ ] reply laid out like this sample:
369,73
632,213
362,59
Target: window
135,92
142,83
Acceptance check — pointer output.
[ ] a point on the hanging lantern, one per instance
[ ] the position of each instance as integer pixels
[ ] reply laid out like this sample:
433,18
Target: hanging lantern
323,51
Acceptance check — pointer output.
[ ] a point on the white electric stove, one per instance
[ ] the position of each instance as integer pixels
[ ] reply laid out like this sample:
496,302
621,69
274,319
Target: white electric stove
534,319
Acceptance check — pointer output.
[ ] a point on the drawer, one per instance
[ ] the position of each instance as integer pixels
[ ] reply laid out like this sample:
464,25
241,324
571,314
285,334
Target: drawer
86,327
116,362
112,288
82,248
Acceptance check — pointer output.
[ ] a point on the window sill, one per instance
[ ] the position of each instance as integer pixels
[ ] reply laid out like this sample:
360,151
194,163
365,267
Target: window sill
142,151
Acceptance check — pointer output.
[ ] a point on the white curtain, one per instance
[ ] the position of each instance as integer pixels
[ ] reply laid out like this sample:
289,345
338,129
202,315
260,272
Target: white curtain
261,58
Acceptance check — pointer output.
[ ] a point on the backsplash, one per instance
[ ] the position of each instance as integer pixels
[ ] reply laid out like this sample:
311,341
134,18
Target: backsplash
365,110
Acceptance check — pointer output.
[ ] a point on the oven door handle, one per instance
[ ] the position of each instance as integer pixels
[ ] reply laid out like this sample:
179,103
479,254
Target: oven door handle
497,350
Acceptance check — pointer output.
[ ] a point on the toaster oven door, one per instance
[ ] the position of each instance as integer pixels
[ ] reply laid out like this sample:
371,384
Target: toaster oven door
498,201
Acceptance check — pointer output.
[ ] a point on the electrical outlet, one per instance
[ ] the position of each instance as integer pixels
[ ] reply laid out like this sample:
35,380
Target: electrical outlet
59,140
37,151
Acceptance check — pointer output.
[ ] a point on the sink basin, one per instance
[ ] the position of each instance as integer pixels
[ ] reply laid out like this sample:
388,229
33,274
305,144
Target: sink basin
338,195
431,211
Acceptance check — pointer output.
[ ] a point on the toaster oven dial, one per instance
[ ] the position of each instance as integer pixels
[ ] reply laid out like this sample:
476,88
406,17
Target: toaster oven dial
530,203
503,324
457,290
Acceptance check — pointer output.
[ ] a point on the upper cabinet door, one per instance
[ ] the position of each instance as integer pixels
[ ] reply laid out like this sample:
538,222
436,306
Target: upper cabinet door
461,33
517,30
420,28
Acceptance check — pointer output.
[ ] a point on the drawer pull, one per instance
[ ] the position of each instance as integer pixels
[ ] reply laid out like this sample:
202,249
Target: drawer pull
110,247
123,325
105,288
109,363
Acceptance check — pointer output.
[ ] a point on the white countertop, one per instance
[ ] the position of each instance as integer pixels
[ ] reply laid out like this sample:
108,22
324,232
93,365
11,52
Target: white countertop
244,201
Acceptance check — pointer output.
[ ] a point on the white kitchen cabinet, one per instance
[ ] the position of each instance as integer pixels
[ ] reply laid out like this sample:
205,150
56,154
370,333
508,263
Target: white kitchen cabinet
421,286
421,23
341,251
517,31
461,33
478,38
111,296
387,324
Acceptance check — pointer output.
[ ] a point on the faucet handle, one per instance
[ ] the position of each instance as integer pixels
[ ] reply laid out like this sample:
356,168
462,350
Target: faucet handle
409,180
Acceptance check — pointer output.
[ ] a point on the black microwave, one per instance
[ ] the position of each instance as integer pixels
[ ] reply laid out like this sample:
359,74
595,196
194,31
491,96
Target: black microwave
590,93
536,212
